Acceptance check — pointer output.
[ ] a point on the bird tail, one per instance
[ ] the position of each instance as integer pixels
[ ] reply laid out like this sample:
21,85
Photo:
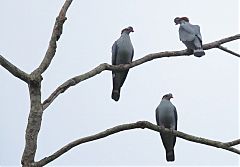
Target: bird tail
198,52
116,95
170,155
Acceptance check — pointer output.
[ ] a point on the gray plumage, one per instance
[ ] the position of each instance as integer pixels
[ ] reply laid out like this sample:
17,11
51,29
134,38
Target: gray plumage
166,116
190,35
122,53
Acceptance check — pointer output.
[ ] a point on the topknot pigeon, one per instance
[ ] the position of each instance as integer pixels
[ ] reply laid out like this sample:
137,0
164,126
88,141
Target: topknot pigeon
190,35
166,116
122,53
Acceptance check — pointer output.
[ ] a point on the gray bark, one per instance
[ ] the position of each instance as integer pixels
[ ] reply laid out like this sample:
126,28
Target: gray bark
141,125
36,109
34,123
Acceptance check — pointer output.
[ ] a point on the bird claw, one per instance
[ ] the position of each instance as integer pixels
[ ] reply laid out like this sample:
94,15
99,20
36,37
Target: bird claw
162,126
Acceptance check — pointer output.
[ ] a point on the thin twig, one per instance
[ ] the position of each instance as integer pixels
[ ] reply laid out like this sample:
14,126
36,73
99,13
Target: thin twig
97,70
233,143
141,125
228,51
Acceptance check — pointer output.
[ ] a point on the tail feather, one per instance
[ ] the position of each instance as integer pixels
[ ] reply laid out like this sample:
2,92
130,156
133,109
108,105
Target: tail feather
198,53
115,95
170,155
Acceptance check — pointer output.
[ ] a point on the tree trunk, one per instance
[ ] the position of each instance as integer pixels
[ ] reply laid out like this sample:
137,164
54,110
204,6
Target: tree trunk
34,123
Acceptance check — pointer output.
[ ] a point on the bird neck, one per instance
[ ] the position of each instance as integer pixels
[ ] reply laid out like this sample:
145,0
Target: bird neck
184,22
125,33
165,98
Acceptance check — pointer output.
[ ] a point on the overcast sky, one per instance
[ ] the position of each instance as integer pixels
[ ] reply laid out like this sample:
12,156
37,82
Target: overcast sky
205,89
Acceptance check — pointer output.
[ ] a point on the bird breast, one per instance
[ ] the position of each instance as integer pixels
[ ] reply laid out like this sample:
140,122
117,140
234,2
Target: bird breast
125,50
166,113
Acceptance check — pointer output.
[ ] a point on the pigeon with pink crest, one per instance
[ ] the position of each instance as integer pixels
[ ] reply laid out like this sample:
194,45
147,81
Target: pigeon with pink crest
190,35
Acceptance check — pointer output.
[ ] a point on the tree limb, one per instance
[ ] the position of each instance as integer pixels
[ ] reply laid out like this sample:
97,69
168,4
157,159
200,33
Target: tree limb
139,124
57,32
233,143
14,70
102,67
73,81
228,51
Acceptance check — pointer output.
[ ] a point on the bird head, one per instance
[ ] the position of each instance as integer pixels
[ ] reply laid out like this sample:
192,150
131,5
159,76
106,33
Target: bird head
127,30
178,20
168,96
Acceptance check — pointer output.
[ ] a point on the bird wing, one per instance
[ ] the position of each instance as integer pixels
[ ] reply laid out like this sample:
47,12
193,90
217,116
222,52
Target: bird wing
114,53
175,117
132,55
187,32
157,117
197,32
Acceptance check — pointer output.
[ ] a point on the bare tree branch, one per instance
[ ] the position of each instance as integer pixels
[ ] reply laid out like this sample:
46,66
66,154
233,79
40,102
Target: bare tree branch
36,110
34,84
233,143
228,51
14,70
75,80
57,32
139,124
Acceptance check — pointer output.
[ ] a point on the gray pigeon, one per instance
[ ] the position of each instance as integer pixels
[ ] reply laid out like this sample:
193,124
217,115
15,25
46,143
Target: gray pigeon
190,35
122,53
166,116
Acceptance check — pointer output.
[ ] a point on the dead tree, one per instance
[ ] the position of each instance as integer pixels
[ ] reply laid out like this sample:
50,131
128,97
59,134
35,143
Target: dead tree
38,107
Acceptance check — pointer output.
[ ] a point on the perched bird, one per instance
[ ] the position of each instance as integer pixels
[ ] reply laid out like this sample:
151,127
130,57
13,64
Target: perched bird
190,35
166,116
122,53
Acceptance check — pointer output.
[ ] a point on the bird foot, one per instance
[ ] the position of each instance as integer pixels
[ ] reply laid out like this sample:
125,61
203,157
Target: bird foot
162,126
190,51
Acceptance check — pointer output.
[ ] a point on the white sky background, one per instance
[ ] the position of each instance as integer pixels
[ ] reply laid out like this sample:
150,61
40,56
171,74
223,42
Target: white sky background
205,89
